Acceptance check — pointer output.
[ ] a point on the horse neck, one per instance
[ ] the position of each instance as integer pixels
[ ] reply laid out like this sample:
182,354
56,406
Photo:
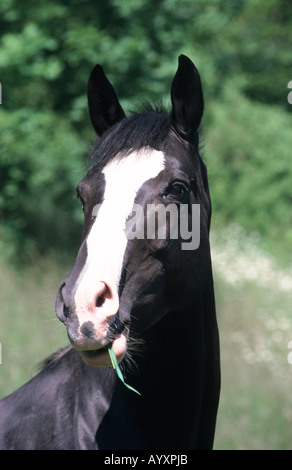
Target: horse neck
171,382
179,382
173,354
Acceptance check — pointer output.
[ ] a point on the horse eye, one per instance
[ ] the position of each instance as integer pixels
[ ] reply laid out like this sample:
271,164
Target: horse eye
178,190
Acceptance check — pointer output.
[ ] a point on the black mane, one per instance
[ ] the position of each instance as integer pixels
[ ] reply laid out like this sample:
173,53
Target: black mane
146,128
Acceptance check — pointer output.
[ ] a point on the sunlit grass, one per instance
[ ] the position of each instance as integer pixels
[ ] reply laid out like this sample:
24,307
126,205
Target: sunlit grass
255,321
29,329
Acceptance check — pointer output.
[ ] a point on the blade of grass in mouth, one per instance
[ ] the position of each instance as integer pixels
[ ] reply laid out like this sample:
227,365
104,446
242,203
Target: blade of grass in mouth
116,366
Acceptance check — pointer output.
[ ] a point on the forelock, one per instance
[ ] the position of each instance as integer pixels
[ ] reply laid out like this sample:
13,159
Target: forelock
148,128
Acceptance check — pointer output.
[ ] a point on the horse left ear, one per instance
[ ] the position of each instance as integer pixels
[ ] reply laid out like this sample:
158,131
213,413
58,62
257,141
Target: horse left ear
187,98
104,107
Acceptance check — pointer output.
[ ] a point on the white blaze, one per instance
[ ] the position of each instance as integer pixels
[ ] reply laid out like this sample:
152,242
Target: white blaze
107,240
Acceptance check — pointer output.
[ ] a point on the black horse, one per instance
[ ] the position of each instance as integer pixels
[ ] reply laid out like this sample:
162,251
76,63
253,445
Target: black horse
141,286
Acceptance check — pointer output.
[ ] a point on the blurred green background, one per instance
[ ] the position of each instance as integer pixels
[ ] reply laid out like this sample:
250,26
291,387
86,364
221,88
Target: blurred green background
243,51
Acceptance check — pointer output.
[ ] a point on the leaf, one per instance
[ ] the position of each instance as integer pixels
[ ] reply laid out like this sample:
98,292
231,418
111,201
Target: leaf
116,366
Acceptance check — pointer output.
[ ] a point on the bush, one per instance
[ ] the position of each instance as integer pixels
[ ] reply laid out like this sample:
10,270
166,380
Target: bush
248,151
40,165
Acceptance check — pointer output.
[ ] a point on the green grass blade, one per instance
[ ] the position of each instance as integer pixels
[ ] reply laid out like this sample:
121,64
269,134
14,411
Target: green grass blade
116,366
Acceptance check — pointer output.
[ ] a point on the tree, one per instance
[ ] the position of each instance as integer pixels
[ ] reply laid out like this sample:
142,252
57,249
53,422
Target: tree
48,50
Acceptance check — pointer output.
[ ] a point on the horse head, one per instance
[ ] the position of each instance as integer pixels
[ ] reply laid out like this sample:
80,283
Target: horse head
146,180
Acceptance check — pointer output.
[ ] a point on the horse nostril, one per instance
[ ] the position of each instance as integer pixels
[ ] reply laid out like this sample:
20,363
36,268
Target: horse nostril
66,311
100,300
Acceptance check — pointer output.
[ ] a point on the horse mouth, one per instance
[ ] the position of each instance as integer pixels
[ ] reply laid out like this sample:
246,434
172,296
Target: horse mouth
101,358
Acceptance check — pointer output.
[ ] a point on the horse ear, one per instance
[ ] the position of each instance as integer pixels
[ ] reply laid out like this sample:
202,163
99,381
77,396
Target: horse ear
104,107
187,98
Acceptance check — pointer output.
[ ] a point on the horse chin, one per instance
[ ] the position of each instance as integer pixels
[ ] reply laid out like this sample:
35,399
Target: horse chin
101,358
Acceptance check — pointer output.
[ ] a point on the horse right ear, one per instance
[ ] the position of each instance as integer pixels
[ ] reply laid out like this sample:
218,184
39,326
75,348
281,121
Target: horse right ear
187,98
104,107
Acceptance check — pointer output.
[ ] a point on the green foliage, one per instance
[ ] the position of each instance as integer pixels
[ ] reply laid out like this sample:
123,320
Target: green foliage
248,149
47,52
40,164
116,366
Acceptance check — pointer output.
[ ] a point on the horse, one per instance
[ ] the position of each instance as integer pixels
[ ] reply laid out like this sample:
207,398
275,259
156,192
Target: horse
141,290
56,409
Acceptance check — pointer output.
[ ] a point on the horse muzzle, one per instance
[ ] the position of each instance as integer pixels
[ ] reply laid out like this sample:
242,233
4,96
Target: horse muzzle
90,314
